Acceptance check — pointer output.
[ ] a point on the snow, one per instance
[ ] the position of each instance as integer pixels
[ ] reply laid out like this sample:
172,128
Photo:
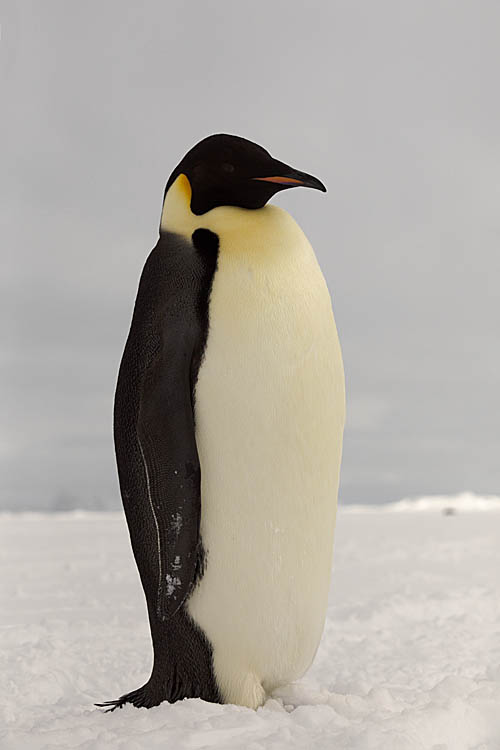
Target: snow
464,502
410,658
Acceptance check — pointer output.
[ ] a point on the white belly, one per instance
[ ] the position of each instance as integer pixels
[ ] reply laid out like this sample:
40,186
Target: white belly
269,421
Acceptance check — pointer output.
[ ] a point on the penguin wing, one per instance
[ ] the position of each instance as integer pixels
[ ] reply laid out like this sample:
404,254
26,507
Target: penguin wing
154,430
166,439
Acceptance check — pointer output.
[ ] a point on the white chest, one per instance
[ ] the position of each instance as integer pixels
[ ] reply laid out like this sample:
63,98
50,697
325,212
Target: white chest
269,420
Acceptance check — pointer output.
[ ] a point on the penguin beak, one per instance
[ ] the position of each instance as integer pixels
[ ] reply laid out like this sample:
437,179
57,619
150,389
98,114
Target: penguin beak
287,177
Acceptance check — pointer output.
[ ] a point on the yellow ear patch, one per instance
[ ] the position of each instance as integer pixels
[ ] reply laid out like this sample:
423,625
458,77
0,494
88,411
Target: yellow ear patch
176,214
184,188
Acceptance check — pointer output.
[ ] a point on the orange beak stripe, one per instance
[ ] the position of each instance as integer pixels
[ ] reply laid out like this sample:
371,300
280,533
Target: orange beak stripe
280,180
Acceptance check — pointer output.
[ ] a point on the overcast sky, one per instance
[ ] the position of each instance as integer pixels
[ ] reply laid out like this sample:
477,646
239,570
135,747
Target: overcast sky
394,105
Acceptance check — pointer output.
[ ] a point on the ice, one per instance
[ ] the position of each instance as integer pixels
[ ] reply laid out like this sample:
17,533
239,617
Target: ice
410,658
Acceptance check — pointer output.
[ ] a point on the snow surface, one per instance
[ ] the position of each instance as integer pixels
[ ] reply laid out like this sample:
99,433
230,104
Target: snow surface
410,658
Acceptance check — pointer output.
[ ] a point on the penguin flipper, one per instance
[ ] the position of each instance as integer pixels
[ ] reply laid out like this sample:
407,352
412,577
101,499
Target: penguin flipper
155,443
166,439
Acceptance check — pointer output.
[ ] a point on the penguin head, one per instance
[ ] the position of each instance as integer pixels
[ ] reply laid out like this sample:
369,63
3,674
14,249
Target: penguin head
226,170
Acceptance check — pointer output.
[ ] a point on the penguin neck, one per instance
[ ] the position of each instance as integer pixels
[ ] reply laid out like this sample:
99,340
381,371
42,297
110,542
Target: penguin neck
249,229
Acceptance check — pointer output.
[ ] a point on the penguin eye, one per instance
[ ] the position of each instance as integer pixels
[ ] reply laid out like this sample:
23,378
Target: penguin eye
226,167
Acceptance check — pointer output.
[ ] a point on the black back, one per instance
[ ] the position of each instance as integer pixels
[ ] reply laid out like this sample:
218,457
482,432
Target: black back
157,459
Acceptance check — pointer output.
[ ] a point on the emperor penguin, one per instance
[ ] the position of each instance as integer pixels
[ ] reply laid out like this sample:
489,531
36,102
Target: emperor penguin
228,422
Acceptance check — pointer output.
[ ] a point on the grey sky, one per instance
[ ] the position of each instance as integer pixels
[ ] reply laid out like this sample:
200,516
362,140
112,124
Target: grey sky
394,105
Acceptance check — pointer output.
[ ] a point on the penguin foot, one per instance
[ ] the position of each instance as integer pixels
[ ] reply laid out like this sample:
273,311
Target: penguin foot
140,698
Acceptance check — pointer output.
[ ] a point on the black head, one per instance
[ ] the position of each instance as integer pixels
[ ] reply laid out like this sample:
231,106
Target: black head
226,170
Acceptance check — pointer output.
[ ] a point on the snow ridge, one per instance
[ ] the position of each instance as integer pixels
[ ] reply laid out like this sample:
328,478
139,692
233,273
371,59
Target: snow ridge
463,502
